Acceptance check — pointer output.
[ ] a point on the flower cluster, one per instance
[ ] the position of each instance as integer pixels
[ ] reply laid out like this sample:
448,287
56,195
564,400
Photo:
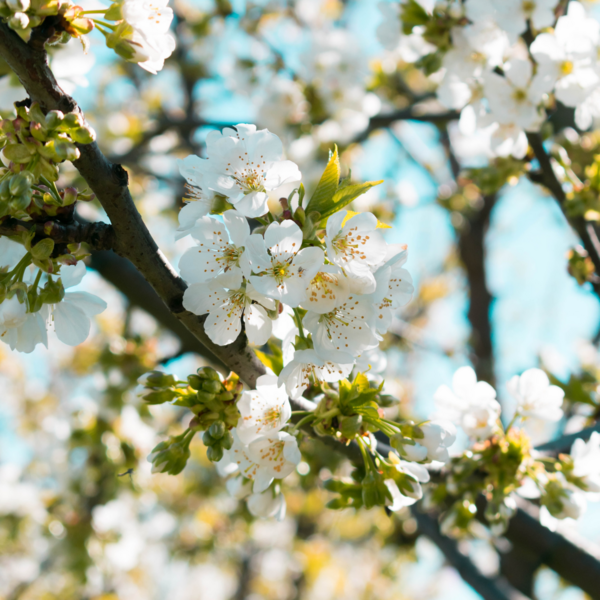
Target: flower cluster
329,267
501,464
137,30
501,64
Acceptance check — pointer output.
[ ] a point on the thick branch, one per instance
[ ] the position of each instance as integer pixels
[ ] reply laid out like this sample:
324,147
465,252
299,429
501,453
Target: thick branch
109,183
98,236
488,588
588,232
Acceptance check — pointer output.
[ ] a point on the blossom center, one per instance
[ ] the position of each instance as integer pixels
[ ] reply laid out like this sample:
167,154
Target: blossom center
566,67
519,95
349,245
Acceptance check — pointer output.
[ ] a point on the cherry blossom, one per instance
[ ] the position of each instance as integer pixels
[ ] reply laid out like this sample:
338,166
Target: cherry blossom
244,164
280,269
219,248
296,375
349,328
226,300
263,411
438,436
470,403
535,396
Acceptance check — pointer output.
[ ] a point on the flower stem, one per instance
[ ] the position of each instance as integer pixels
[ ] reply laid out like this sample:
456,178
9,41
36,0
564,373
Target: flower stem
298,317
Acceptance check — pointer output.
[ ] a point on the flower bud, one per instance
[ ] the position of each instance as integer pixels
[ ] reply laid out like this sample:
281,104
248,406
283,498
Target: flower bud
214,453
54,118
156,379
212,387
217,430
20,183
43,249
194,382
208,373
19,21
204,397
83,135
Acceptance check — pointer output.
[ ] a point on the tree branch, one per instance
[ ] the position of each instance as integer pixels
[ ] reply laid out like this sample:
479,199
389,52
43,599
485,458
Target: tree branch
588,232
110,184
488,588
98,236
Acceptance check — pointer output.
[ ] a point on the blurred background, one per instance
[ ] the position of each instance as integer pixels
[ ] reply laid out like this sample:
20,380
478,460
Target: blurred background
81,516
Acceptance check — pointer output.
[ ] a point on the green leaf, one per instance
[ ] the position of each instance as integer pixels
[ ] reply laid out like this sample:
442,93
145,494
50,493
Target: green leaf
344,195
327,186
412,15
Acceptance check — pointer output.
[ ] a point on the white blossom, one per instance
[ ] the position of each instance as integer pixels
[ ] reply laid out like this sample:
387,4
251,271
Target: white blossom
148,37
417,474
328,288
244,164
227,301
535,396
200,200
438,436
296,375
264,411
281,270
220,247
356,246
349,328
470,403
264,459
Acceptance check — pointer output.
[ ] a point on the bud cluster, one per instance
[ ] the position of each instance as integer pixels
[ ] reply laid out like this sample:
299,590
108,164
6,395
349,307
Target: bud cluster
35,144
211,399
23,15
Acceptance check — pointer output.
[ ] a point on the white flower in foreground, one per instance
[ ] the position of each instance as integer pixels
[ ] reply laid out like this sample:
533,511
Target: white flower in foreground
535,396
586,461
264,411
296,375
267,505
349,328
72,315
438,436
28,334
470,403
148,37
244,165
220,247
200,201
227,301
356,246
515,97
328,288
264,459
280,269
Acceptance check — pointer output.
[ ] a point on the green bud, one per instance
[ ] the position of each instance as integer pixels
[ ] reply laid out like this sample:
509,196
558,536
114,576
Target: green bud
225,396
214,453
153,397
20,183
72,120
338,503
157,379
54,118
5,189
217,430
19,204
194,381
207,439
66,150
43,249
227,440
83,135
204,397
38,132
208,373
17,153
351,426
211,386
170,456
